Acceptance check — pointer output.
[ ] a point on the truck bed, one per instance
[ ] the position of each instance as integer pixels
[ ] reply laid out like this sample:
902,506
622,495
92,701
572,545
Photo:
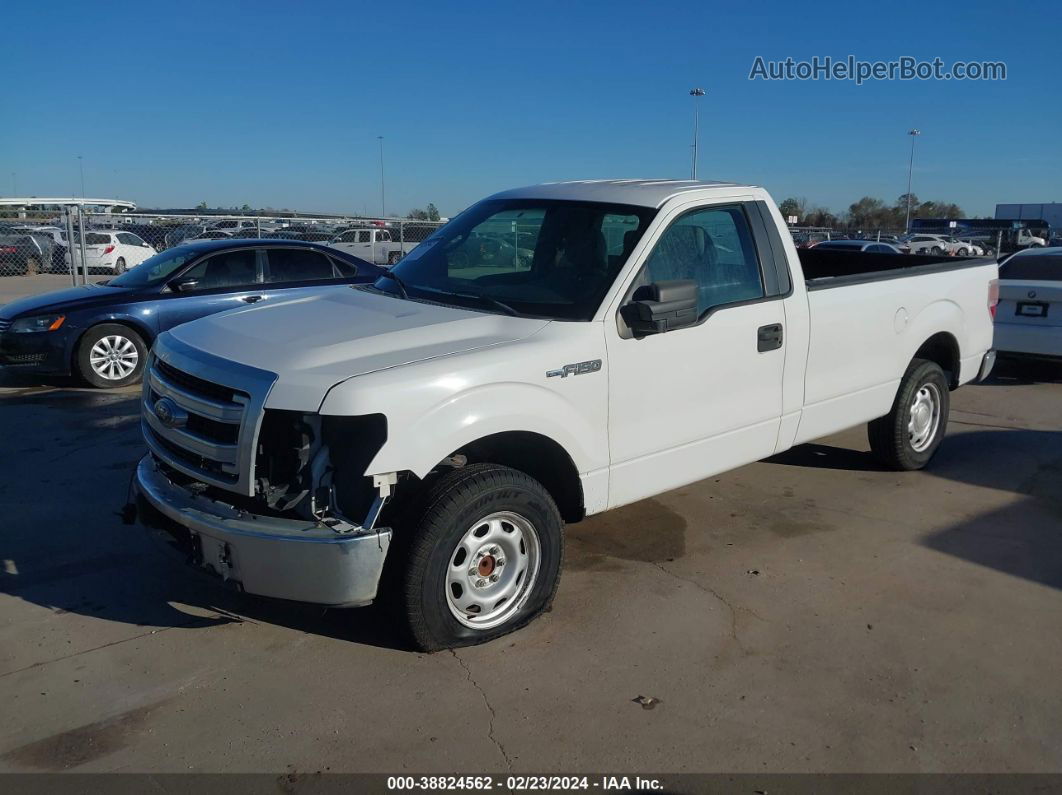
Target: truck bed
863,337
831,268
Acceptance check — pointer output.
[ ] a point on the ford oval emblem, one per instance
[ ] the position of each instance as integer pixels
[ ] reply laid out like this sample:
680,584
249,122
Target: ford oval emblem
169,413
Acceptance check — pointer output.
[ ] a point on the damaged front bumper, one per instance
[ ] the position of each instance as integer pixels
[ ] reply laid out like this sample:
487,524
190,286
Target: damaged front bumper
292,559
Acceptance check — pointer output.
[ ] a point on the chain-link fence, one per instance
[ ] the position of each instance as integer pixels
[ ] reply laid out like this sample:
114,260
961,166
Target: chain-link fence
110,243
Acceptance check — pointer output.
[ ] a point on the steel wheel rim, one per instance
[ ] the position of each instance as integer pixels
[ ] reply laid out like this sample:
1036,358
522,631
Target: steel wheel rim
492,569
114,357
924,417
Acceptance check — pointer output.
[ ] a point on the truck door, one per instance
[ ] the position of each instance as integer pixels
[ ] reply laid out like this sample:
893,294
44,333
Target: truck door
698,400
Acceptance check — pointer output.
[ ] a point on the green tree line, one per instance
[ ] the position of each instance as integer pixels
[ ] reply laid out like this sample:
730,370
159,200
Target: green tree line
869,212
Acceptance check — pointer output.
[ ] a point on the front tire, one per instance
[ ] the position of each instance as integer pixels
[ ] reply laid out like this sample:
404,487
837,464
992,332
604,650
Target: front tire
936,251
907,437
962,252
482,559
111,356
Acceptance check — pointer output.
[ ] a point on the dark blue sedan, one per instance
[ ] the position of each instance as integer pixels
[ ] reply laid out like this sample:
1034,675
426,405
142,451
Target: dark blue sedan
102,332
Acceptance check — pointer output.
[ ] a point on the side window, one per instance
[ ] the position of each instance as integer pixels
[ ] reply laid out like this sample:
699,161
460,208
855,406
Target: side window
713,247
229,269
349,237
363,237
125,237
344,269
296,265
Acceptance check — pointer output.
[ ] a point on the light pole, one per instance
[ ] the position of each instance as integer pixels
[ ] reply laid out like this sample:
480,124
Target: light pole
81,168
695,93
910,170
383,203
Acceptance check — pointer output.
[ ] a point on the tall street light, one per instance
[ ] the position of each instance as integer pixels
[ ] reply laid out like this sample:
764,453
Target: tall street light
910,170
383,204
695,93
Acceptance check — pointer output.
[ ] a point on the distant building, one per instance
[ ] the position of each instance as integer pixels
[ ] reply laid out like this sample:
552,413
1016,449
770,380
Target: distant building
1051,212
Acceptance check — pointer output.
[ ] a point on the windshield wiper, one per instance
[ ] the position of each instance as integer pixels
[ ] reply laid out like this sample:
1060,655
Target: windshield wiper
397,280
476,297
488,299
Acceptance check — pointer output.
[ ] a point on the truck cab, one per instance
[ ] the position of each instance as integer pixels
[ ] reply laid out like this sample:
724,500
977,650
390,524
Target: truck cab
369,243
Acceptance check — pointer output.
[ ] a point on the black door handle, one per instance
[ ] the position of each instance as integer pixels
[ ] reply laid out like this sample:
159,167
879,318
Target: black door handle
769,338
252,299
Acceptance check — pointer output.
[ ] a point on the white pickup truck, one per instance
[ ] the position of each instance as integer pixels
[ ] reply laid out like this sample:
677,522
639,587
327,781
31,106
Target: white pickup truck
426,437
372,244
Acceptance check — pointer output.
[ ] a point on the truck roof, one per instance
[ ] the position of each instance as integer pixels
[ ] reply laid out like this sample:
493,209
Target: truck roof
641,192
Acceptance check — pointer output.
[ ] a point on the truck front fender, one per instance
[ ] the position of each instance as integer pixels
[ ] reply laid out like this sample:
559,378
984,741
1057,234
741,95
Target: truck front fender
420,441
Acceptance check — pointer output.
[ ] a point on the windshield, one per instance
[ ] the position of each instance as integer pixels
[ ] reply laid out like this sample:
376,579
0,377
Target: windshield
544,258
154,270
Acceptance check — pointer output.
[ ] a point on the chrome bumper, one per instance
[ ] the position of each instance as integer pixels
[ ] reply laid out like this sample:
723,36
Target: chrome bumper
987,363
282,558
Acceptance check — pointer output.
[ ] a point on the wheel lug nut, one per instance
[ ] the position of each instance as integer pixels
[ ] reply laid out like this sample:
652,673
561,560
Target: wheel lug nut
501,561
494,577
473,572
480,583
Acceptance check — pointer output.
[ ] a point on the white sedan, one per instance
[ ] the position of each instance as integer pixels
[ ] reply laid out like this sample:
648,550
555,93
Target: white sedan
1029,313
110,251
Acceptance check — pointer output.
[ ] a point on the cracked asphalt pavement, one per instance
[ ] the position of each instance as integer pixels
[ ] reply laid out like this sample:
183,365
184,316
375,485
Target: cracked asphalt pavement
811,612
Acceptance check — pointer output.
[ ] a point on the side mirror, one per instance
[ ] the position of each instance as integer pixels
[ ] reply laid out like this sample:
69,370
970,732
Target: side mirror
184,285
661,306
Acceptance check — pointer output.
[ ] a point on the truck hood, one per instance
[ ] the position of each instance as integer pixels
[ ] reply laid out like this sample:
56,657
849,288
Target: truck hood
329,335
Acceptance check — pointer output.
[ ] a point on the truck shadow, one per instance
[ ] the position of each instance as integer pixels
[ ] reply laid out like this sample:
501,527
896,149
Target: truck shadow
1022,539
1024,372
823,456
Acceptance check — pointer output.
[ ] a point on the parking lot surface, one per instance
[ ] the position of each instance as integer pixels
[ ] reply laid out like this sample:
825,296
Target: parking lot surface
812,612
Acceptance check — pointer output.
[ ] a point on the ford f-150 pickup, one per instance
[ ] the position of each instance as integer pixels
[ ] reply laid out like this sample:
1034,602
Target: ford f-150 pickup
424,438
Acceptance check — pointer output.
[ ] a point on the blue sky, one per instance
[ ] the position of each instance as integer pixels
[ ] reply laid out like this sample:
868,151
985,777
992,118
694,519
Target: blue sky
280,103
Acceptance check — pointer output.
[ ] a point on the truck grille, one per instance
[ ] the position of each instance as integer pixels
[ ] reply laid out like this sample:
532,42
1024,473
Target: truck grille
4,325
198,425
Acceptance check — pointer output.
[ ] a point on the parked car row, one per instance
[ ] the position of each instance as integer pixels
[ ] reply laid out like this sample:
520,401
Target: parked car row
102,331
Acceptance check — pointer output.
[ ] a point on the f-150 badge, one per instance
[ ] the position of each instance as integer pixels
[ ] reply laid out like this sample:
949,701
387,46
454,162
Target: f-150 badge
579,368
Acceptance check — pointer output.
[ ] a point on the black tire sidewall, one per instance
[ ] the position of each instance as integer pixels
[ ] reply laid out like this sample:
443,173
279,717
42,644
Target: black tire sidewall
119,265
91,337
443,525
921,373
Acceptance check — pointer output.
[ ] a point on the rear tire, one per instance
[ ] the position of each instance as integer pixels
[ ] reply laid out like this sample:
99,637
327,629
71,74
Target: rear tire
33,266
480,559
936,251
119,266
110,356
907,437
962,252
